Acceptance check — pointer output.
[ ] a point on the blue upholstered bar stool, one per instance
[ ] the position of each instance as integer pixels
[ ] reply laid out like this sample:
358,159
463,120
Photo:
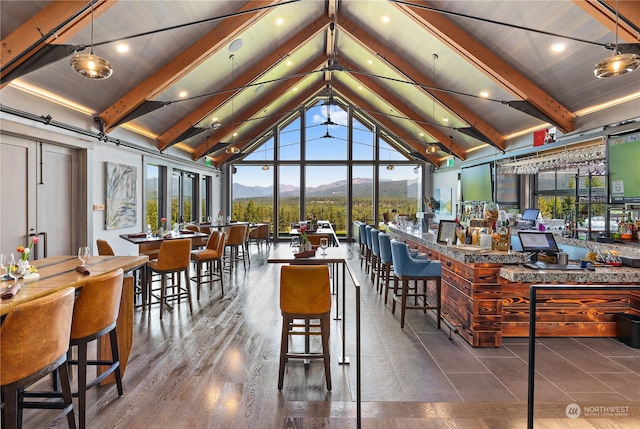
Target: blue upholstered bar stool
407,268
375,253
385,264
363,246
367,261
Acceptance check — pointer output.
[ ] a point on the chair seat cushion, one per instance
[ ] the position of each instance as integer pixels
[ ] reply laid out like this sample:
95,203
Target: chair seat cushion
204,254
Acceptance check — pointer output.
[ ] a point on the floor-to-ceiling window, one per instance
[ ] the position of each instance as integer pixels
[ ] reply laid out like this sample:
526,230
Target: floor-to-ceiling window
329,161
154,195
182,197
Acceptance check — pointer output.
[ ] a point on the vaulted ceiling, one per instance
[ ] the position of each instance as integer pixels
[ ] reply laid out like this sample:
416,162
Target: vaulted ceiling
197,71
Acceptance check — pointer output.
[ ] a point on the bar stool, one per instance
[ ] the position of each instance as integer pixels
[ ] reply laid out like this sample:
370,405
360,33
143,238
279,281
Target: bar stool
407,268
174,257
235,242
305,295
212,256
34,339
363,243
94,315
385,264
375,254
367,233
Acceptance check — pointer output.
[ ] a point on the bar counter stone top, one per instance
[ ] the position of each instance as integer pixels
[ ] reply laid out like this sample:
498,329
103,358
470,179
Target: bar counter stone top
463,253
605,274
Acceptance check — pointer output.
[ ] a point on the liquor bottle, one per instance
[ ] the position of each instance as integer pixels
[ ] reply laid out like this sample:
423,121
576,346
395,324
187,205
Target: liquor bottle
467,238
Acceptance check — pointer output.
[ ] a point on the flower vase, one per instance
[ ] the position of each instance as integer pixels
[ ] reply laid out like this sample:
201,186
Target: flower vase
307,246
161,232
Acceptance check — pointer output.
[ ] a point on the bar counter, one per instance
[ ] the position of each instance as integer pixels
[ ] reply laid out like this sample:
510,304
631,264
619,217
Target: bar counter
485,293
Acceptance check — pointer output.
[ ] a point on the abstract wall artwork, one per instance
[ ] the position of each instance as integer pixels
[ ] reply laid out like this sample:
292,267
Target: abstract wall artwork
443,198
121,195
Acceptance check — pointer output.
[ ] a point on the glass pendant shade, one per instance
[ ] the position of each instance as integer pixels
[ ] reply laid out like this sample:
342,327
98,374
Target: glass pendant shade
432,148
616,65
91,66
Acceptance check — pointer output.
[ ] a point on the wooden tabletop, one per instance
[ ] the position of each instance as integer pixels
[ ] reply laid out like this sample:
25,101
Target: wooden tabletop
285,255
142,239
59,272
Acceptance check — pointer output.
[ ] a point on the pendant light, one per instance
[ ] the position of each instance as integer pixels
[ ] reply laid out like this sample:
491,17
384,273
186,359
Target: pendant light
617,64
265,167
90,65
232,149
432,148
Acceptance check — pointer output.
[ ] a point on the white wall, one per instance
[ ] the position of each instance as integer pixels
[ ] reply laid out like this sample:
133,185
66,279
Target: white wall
97,154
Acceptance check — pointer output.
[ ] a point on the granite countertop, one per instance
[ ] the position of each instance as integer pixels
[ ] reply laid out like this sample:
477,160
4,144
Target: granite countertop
516,273
463,253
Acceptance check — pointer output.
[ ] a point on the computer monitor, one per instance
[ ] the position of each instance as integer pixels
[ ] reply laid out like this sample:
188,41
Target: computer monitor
538,242
530,215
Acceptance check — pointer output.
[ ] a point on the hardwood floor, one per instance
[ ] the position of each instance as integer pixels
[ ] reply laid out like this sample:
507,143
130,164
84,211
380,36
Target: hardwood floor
218,368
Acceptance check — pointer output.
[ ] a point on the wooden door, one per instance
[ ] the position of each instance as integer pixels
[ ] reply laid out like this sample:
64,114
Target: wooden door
38,197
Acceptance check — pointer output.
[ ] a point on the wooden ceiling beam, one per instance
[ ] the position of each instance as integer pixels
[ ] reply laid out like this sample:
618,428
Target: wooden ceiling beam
407,111
257,107
630,9
489,63
47,26
385,121
299,100
180,66
266,62
412,73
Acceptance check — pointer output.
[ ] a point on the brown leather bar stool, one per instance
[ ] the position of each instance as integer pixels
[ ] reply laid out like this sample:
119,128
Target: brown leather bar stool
305,295
34,339
174,257
236,244
94,315
211,256
105,249
197,242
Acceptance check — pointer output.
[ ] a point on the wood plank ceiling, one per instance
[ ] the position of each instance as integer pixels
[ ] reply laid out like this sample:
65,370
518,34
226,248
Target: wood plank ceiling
414,68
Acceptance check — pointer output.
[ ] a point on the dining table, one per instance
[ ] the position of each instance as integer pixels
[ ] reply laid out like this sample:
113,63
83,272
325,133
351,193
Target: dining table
58,272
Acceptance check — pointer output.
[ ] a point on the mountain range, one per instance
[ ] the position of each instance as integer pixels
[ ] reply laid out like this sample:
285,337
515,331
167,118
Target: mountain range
362,187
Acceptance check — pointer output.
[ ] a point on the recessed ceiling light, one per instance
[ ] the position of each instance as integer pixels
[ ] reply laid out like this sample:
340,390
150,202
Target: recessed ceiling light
385,19
122,47
369,62
235,45
484,94
421,134
557,47
445,119
295,88
279,21
289,62
360,87
183,94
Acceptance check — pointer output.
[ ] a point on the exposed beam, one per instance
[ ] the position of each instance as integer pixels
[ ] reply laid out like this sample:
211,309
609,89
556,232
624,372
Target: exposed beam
385,121
185,62
251,75
56,22
489,63
257,107
630,9
412,73
297,101
407,111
